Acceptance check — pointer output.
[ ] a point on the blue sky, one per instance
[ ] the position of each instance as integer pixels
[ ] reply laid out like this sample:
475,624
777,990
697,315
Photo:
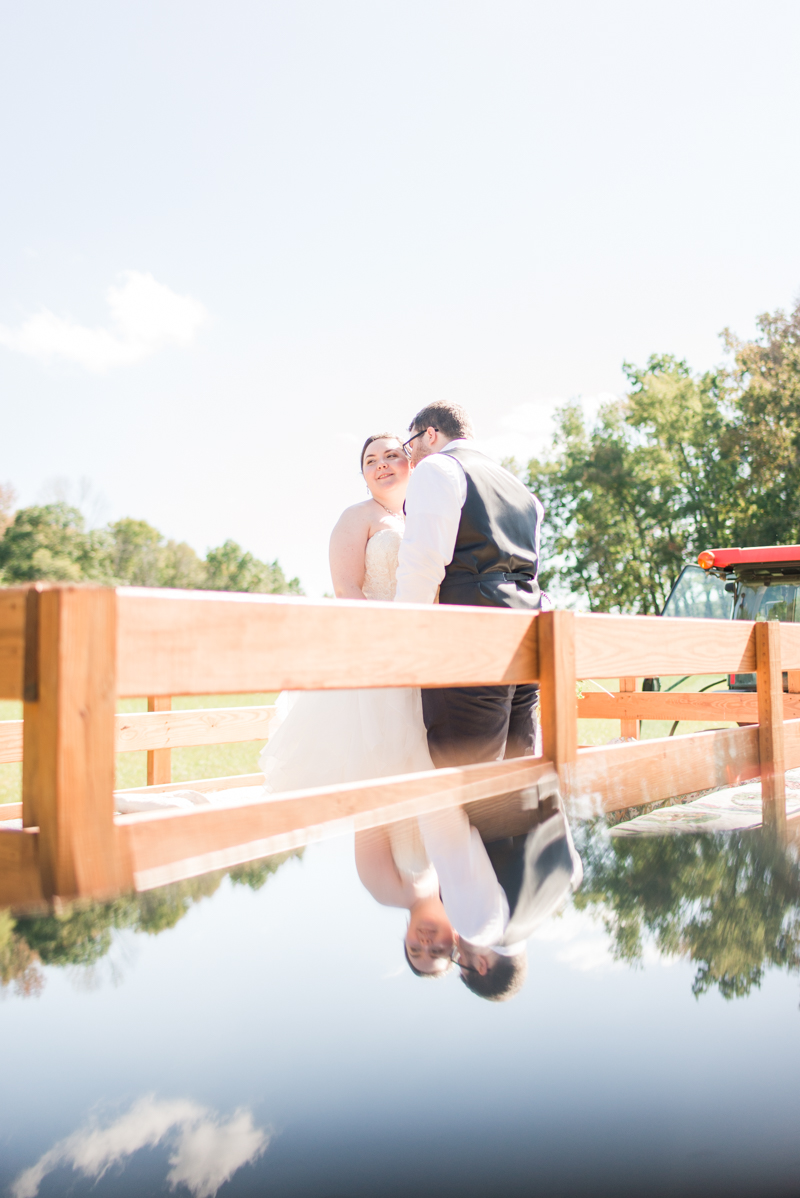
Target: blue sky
239,237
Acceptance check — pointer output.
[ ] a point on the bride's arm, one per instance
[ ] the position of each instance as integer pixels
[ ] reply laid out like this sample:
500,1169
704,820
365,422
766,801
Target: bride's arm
378,872
347,553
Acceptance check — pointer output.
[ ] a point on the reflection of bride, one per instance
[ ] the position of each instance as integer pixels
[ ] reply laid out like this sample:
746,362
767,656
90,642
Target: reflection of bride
326,737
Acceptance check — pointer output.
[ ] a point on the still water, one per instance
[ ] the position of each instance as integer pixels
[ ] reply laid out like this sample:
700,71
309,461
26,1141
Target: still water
260,1033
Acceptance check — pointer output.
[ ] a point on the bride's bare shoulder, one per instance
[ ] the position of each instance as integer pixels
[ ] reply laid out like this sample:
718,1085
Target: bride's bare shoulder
360,515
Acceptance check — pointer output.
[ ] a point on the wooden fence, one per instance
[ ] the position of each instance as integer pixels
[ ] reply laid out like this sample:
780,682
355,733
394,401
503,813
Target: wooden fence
70,651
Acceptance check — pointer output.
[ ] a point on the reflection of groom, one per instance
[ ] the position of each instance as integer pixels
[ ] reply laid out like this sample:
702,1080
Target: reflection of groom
472,529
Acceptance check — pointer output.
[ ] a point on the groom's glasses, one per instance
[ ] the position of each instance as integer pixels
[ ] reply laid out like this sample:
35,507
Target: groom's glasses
407,443
455,957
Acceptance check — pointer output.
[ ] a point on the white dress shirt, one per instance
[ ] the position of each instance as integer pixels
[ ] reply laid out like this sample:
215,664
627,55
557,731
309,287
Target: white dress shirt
436,494
474,900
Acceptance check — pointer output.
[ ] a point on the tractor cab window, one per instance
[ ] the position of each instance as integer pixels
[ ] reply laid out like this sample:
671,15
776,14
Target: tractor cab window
768,598
700,595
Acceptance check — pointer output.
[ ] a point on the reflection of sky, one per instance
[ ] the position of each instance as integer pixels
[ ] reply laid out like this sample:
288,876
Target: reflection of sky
290,1011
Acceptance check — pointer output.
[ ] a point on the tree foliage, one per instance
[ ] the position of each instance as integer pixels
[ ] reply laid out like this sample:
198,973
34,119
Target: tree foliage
82,934
729,903
231,568
51,543
683,462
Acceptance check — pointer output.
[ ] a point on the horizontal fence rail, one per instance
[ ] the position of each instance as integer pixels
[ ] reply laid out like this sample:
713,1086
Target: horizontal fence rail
69,651
726,706
140,730
189,643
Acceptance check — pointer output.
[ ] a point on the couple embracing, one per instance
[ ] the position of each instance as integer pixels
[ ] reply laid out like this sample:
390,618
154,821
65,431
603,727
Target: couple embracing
443,523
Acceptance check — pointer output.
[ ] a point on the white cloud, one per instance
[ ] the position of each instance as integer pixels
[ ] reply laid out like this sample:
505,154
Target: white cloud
208,1151
527,430
145,315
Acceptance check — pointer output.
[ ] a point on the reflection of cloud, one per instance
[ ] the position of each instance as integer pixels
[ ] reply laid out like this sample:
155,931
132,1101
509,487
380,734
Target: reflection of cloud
582,942
207,1150
145,314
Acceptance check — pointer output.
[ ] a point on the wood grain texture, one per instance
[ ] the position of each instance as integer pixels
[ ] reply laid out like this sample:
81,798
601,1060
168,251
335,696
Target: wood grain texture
614,777
201,726
12,641
142,730
617,646
725,706
68,758
159,761
628,726
20,883
201,784
10,811
558,705
769,680
201,642
169,845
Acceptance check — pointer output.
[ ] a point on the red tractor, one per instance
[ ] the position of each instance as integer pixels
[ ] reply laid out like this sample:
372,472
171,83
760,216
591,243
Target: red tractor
762,583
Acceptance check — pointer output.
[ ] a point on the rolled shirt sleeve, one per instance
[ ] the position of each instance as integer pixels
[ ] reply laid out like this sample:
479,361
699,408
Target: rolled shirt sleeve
437,490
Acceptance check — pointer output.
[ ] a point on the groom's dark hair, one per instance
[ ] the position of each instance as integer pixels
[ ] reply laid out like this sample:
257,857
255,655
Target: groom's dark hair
448,418
503,980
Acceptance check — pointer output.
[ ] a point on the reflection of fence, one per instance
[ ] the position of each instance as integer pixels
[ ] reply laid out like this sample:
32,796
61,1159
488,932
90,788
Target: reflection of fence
70,651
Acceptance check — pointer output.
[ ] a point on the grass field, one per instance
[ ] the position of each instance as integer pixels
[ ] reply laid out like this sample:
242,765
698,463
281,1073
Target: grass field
213,761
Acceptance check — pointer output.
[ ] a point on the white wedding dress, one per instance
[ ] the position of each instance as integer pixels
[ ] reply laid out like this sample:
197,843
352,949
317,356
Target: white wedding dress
320,738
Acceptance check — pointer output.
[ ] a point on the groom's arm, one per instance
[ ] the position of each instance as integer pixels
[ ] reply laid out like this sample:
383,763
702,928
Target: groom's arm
436,493
474,900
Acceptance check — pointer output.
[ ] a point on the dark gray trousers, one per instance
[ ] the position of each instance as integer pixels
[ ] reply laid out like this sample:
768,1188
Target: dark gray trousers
467,724
480,723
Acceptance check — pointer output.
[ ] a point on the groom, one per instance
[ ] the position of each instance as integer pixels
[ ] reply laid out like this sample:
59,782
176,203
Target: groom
472,530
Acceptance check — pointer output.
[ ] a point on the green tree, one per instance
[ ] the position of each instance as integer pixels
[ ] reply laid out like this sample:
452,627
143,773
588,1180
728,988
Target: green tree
764,390
230,568
256,874
82,934
51,542
143,558
625,499
136,554
683,462
18,962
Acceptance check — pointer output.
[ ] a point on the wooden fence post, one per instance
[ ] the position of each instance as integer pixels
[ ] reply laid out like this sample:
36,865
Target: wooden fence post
159,761
68,739
769,681
628,727
559,703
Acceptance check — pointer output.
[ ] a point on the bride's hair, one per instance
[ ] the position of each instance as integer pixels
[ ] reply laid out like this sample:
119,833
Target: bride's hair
376,437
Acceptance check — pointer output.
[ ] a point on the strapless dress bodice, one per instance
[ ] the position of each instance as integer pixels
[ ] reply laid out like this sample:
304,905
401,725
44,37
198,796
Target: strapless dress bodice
380,575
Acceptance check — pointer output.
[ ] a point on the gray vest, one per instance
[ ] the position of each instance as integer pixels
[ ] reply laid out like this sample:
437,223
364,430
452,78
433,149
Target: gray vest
537,872
496,557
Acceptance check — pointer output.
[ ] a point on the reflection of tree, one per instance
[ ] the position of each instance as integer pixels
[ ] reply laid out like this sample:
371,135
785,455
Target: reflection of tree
729,903
18,962
83,933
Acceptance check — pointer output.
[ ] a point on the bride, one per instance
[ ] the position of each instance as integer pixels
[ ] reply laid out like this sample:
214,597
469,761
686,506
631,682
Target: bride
326,737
